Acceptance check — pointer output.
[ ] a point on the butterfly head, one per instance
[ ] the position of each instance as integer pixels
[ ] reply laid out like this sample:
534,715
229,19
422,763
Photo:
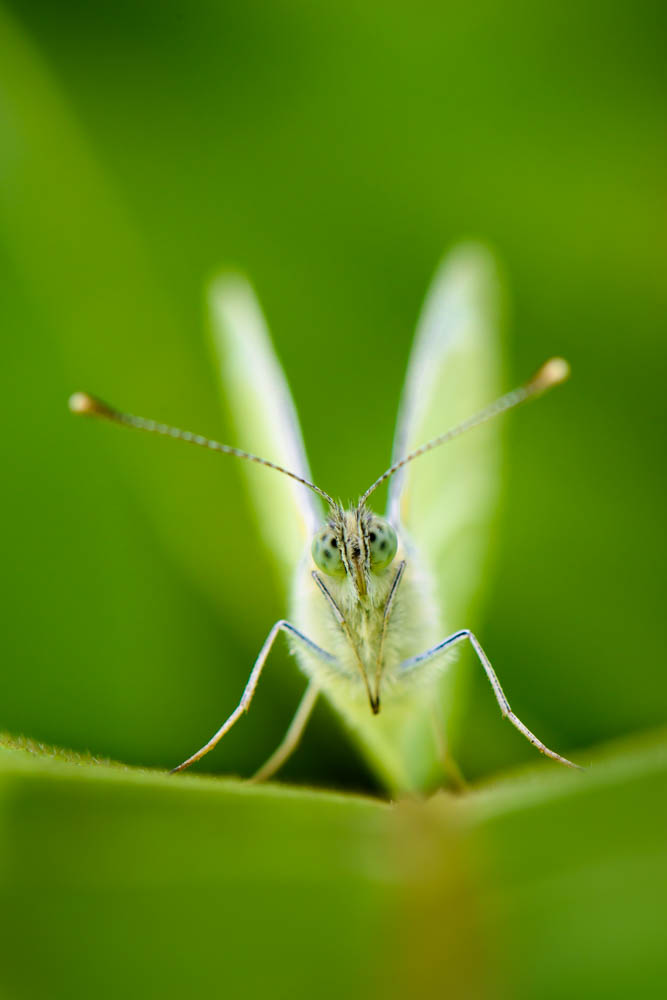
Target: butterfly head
355,544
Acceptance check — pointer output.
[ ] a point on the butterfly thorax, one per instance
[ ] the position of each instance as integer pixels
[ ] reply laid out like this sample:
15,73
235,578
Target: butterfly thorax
362,600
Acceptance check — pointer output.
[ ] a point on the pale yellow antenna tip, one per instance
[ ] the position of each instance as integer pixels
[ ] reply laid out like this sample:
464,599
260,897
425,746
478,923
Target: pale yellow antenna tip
553,372
81,402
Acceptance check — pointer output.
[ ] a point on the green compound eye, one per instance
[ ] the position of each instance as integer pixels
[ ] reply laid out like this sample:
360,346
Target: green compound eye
326,553
382,542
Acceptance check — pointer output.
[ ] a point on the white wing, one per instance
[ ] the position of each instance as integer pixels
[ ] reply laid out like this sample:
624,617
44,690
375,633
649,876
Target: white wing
445,499
265,419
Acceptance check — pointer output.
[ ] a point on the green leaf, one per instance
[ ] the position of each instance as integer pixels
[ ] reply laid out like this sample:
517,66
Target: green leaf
120,882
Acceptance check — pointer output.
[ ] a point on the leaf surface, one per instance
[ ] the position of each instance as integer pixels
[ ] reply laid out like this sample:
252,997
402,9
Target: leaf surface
115,881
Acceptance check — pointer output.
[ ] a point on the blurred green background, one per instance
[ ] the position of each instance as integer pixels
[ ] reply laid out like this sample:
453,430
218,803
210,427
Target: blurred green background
332,152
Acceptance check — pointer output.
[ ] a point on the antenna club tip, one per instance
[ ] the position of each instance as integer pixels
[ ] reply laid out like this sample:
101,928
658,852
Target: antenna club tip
553,372
83,403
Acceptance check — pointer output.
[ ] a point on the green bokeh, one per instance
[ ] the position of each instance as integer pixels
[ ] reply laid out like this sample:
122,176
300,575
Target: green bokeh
333,153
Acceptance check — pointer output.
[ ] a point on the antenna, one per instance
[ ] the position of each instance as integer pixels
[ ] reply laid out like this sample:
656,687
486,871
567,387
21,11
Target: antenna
90,406
552,373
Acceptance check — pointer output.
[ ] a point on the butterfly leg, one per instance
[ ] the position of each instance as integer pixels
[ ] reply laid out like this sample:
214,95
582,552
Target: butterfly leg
292,736
340,618
379,663
408,666
249,690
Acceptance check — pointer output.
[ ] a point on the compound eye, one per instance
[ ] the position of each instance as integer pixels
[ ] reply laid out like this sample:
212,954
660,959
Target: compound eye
326,553
382,542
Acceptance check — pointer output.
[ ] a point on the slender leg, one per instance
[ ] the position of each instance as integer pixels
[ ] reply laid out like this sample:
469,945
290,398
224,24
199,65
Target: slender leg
416,661
292,736
249,689
385,619
338,615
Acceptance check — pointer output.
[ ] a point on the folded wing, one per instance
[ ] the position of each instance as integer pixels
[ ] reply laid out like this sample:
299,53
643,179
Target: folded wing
265,419
444,500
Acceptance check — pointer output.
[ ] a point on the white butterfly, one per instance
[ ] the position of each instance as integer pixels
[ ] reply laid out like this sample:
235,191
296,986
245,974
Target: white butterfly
369,593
